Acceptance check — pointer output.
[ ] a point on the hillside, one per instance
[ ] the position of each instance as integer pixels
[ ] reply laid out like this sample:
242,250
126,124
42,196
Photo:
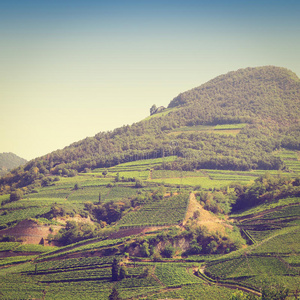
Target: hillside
201,198
172,240
9,161
264,93
262,103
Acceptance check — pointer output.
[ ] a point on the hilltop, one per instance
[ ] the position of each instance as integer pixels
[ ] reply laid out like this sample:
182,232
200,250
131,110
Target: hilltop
264,93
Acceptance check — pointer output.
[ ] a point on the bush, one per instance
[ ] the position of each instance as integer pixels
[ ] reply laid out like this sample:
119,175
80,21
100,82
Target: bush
15,196
156,256
145,252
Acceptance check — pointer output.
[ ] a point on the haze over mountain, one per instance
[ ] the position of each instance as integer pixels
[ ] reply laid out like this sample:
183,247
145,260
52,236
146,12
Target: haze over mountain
265,101
9,161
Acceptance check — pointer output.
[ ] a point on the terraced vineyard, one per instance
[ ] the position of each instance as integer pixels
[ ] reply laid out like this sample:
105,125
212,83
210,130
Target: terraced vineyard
249,270
273,259
84,268
12,216
174,174
163,212
291,160
172,275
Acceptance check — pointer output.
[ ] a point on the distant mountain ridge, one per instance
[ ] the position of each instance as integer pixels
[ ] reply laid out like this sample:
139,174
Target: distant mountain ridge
265,100
9,161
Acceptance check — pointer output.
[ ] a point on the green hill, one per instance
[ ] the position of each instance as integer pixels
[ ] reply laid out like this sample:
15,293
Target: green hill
264,100
198,199
269,93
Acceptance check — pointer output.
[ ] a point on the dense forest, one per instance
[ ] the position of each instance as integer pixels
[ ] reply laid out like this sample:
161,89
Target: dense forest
266,100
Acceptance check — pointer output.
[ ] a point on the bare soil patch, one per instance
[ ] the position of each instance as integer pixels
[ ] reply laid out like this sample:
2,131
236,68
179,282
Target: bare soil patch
211,222
77,219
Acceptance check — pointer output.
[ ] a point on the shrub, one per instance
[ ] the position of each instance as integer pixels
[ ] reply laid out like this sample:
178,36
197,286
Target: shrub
15,196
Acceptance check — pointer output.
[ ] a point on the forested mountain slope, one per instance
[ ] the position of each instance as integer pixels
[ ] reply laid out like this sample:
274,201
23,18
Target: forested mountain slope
268,93
263,102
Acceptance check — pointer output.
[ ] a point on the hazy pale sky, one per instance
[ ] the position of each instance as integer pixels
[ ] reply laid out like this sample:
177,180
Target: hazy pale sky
70,69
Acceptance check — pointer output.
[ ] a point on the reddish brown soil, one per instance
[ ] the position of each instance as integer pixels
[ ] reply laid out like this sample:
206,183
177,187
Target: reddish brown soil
133,231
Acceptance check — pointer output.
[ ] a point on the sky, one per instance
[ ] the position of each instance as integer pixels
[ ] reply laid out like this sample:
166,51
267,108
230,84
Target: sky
70,69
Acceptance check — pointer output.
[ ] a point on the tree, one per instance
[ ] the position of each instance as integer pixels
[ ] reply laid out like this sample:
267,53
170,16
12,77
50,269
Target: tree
139,183
117,178
114,295
115,270
99,198
123,272
196,214
195,248
153,109
169,251
212,247
104,173
145,249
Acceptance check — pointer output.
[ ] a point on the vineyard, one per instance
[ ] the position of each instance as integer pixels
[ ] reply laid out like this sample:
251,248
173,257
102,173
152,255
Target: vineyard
12,216
84,268
172,275
163,212
273,258
291,160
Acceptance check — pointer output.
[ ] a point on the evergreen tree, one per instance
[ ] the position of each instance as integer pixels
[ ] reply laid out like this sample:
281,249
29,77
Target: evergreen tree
114,295
123,272
115,270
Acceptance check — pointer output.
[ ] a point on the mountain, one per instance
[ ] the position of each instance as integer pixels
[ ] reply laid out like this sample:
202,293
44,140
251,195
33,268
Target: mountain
9,161
256,109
